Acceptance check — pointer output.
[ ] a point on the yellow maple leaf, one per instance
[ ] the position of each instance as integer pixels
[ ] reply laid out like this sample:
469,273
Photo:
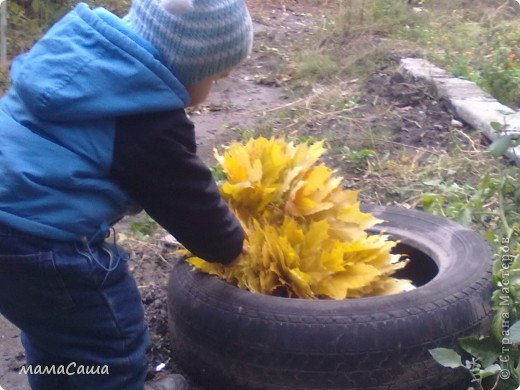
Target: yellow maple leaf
306,236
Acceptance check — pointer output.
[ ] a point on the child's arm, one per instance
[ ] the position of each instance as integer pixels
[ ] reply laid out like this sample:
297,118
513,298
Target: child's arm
155,162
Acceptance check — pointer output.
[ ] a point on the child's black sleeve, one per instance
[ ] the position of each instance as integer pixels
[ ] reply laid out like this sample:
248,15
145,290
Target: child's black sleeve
155,162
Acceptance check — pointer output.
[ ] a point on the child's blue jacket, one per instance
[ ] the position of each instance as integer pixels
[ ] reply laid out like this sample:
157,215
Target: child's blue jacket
93,128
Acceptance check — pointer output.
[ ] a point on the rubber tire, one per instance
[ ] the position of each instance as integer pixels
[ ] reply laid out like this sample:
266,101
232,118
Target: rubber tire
228,338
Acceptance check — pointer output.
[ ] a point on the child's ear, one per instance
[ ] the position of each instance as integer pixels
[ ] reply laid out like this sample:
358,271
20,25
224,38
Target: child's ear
177,7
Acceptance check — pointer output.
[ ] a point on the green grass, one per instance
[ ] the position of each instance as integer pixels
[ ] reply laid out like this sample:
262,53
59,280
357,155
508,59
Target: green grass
314,67
472,45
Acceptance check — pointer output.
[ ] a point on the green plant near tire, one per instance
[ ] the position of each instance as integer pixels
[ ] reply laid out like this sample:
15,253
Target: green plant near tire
494,361
491,206
504,142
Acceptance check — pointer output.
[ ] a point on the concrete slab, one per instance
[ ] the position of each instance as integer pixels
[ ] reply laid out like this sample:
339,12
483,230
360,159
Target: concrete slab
473,105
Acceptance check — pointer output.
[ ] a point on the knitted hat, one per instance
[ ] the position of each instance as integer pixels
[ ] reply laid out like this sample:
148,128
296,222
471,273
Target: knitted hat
196,39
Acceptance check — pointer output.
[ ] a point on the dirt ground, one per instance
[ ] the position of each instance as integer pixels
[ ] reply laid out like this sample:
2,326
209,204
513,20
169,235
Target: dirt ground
403,111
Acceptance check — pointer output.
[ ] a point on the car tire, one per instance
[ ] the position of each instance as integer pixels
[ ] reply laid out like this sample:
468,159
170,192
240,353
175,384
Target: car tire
228,338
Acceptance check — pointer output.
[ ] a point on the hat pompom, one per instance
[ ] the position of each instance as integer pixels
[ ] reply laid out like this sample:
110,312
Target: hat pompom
177,7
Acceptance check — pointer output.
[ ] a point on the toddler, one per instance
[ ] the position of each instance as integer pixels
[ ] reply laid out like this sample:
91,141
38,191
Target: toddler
93,128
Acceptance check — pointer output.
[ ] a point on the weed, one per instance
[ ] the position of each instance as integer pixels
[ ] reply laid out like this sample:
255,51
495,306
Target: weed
143,227
492,207
23,30
316,67
501,75
29,19
309,139
265,130
469,46
218,173
358,159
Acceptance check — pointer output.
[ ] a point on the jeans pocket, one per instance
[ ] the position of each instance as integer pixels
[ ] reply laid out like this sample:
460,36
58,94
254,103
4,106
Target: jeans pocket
31,287
108,264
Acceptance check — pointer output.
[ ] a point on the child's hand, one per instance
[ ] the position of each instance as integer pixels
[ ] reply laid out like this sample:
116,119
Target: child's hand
237,260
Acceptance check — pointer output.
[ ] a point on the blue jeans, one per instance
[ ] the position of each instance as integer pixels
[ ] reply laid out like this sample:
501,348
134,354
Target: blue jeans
79,311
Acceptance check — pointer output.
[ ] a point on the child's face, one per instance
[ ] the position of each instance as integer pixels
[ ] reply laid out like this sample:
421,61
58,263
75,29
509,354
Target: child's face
200,90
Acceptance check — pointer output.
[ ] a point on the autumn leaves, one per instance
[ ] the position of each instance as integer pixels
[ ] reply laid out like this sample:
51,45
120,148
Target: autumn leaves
305,234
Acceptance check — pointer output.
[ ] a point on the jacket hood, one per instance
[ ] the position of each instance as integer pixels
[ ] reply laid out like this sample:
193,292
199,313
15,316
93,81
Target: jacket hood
90,65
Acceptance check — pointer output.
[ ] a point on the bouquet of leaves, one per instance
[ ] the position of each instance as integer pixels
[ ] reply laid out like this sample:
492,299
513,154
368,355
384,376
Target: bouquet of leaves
306,236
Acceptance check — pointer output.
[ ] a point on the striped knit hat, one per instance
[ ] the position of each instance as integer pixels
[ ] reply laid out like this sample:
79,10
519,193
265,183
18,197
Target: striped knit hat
196,39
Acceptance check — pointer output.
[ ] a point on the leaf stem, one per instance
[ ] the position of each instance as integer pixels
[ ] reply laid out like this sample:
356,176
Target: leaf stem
495,385
502,215
477,381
